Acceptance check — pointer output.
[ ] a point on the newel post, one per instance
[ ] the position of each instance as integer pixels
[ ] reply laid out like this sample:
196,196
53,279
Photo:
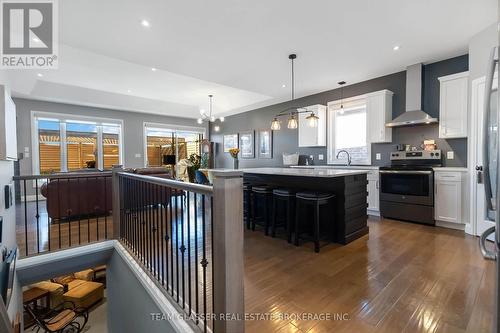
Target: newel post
116,198
229,302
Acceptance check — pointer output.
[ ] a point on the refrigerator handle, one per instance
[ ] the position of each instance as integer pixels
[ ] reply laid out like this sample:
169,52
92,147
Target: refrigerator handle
487,254
486,123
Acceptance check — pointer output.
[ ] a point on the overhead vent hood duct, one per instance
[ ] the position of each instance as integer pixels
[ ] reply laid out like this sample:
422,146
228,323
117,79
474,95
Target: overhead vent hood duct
414,114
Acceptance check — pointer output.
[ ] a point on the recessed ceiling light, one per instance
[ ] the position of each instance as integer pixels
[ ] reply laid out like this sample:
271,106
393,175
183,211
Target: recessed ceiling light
145,23
283,86
39,75
129,91
395,48
153,69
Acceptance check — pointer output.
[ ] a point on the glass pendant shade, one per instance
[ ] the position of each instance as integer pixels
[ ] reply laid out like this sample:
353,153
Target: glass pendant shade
312,120
200,121
292,122
275,124
216,128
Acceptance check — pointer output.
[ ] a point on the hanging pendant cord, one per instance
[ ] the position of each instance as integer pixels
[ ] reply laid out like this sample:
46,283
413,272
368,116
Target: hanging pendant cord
293,82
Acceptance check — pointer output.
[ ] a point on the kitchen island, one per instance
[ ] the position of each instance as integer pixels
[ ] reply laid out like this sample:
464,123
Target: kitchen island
349,220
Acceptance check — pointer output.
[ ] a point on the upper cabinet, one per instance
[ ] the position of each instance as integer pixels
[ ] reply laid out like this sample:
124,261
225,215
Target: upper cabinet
8,136
453,105
313,136
379,112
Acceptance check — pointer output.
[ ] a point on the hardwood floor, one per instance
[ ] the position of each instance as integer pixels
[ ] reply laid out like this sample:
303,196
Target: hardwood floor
402,277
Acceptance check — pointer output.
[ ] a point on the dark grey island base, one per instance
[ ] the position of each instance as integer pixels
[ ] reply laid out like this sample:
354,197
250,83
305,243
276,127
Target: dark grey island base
350,216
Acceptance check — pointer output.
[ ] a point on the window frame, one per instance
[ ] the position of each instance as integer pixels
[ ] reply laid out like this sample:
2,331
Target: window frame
333,108
63,119
169,127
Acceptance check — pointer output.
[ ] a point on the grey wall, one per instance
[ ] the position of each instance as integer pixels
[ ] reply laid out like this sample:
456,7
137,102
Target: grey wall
286,140
133,137
129,306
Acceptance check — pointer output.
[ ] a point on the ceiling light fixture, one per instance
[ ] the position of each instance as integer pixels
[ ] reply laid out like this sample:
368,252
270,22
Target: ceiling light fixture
208,117
39,75
153,69
283,86
145,23
395,48
293,112
341,83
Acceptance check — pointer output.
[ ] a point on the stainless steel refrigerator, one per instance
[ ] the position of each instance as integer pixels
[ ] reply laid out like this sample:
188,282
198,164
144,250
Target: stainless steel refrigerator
489,241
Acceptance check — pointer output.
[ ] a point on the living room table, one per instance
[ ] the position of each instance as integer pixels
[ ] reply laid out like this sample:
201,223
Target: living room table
31,298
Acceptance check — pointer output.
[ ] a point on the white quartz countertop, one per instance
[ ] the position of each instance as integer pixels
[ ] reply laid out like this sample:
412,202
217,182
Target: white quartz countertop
307,172
337,167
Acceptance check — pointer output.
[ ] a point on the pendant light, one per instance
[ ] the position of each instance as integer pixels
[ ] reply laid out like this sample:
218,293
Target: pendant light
292,112
341,83
209,117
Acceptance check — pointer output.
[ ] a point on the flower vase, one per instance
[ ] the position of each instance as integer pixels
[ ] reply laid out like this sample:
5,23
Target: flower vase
236,163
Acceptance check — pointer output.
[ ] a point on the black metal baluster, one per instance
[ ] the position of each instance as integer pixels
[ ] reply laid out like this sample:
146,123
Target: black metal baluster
196,289
162,209
25,218
96,211
176,244
171,242
60,213
153,229
126,220
150,222
79,211
135,205
68,181
106,208
88,210
183,250
37,216
157,231
122,206
188,205
204,262
143,221
212,251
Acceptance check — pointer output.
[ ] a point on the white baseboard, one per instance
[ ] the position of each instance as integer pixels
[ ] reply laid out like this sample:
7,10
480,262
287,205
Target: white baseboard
450,225
32,197
373,212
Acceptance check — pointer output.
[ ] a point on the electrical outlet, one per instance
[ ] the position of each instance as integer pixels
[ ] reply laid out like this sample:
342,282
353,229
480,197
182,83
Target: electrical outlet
26,155
321,157
26,149
378,156
137,155
311,157
450,155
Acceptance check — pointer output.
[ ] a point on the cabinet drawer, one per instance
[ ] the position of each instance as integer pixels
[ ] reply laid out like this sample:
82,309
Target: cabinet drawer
449,176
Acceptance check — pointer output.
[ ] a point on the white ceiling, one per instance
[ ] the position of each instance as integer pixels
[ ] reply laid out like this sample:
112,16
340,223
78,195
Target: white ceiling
237,50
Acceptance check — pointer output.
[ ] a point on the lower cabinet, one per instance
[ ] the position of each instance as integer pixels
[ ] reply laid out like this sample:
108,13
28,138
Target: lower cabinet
373,193
448,197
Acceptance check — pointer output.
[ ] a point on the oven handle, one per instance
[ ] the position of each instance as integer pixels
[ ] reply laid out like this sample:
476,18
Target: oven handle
420,172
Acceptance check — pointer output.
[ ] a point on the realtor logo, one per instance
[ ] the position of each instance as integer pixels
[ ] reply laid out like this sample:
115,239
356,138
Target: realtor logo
29,34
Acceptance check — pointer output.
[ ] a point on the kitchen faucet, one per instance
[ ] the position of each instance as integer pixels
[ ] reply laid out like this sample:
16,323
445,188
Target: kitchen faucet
348,156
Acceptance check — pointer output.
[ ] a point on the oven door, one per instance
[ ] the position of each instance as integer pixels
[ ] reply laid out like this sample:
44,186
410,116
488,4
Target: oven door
407,186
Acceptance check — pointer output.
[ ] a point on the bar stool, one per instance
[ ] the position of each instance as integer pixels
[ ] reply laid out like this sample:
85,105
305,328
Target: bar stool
247,204
287,198
315,200
262,198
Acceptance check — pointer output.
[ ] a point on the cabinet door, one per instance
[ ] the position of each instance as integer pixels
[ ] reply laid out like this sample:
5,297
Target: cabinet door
376,119
448,201
308,136
453,108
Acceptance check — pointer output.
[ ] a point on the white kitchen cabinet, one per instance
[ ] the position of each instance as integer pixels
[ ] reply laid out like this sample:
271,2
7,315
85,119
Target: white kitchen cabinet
453,105
448,197
373,193
313,136
379,112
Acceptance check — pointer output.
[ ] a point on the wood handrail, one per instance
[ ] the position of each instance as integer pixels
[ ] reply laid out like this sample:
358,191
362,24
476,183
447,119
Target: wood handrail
93,174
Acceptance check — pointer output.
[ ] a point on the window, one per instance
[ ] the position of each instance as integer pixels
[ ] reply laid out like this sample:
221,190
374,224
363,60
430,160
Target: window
347,128
68,143
163,140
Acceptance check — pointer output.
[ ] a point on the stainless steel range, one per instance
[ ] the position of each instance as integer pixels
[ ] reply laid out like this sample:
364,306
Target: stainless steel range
407,186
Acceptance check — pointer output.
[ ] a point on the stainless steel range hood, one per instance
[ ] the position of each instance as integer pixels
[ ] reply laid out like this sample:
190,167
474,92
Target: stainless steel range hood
414,114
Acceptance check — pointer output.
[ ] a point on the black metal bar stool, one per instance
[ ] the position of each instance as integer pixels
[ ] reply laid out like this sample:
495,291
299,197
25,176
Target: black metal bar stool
316,201
247,204
261,206
286,197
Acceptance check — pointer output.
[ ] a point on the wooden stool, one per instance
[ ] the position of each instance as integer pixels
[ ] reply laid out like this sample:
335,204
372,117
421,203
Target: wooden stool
315,200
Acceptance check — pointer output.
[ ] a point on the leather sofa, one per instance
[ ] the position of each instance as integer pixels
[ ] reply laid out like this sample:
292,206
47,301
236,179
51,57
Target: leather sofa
76,195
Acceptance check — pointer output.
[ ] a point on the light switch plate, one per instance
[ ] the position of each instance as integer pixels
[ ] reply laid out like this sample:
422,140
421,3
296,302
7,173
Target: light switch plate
450,155
26,149
378,156
26,155
321,157
137,155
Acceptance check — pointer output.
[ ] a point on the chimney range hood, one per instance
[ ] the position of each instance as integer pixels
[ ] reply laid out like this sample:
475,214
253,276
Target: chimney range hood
413,115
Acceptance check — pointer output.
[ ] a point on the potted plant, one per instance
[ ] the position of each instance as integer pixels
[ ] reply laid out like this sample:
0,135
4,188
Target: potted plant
234,154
